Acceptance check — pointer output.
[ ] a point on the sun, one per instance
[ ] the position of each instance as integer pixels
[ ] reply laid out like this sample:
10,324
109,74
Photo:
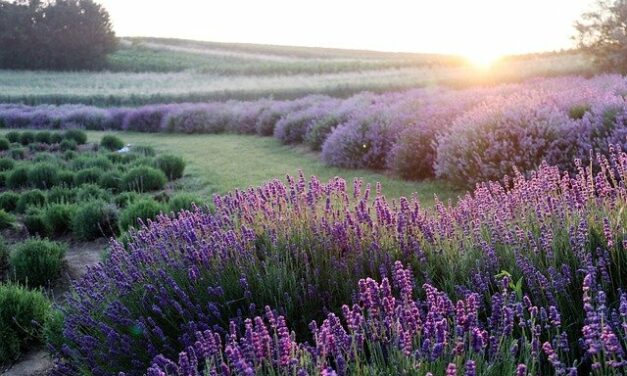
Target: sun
482,59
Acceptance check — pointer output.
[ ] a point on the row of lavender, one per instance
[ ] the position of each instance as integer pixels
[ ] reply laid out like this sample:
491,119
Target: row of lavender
520,278
466,136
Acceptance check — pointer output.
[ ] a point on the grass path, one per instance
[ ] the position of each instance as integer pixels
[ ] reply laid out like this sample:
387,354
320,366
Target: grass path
222,163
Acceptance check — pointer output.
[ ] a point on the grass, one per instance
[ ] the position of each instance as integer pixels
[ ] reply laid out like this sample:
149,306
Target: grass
162,70
222,163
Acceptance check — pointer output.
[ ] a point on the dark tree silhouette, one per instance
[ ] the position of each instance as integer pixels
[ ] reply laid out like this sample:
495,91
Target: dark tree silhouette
59,35
602,33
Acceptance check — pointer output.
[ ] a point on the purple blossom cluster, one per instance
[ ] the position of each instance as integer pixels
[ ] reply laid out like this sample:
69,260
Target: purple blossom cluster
467,136
529,269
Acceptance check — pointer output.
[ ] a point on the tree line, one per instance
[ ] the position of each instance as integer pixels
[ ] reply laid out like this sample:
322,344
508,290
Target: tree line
55,35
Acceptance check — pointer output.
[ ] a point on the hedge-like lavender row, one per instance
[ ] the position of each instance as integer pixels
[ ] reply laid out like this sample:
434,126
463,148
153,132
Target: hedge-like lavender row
529,273
466,136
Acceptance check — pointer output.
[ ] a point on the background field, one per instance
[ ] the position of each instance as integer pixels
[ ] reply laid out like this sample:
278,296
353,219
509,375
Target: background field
152,70
223,163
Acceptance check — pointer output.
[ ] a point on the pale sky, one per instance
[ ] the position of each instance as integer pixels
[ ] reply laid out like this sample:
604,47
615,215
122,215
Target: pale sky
463,27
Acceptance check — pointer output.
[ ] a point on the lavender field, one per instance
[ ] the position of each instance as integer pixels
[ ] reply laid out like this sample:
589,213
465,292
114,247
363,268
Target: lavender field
347,188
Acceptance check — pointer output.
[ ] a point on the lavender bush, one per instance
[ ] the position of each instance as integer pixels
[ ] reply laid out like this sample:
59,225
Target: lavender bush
522,276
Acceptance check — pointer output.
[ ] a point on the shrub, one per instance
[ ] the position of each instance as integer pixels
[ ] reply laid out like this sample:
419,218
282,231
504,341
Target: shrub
21,314
318,131
18,178
144,179
69,155
171,165
8,201
4,256
37,262
111,180
139,212
32,198
183,201
13,136
56,138
6,164
124,199
95,219
3,179
92,160
43,175
45,157
111,142
61,195
193,119
43,137
58,218
88,176
489,143
144,150
35,223
76,135
413,155
4,144
27,138
17,153
66,178
67,145
362,142
6,220
145,119
91,192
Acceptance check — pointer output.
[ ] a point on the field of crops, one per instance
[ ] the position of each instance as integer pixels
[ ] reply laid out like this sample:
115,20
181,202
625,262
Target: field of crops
183,73
149,228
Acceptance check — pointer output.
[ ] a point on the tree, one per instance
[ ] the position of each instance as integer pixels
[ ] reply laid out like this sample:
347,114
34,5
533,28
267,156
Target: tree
603,34
59,35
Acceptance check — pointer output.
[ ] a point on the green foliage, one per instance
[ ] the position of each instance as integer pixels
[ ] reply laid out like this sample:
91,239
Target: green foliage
183,201
111,142
21,313
6,220
171,165
43,137
55,35
140,211
6,164
67,145
145,150
144,179
53,329
75,135
66,178
95,219
56,138
13,136
8,201
4,255
17,153
91,192
88,175
27,138
601,33
69,155
61,195
92,160
37,262
32,198
45,157
111,180
18,178
124,199
35,223
4,144
43,175
58,218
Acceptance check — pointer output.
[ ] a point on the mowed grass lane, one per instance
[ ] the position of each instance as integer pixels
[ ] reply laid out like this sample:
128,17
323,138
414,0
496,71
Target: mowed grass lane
222,163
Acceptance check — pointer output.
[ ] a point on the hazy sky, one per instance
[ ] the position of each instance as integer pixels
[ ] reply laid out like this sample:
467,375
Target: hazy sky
466,27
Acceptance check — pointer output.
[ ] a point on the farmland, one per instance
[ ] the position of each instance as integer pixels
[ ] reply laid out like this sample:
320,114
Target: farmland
235,209
210,72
